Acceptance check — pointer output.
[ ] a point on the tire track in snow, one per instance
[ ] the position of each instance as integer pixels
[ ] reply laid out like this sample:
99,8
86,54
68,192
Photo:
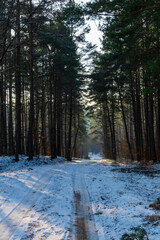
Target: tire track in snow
10,223
84,225
10,209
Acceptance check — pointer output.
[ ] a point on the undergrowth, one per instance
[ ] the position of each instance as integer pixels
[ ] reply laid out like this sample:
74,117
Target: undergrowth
137,233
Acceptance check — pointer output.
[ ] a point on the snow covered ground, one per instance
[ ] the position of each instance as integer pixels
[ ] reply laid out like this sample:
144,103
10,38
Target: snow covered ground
121,195
37,198
95,156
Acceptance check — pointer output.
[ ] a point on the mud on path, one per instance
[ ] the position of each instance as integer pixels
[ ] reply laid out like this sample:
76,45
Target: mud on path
84,225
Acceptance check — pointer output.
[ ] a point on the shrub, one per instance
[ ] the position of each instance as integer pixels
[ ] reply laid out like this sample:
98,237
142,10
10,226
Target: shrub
137,233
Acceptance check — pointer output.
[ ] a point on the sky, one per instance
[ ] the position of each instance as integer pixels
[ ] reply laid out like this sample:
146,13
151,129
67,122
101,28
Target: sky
95,35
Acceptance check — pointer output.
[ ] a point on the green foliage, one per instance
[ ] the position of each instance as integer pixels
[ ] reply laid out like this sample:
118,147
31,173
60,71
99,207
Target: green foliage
138,233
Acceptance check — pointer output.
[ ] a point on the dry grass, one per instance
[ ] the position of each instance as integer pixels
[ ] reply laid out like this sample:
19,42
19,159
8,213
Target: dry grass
153,219
156,205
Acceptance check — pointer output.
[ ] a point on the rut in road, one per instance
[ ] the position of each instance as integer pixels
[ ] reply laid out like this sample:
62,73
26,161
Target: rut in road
9,224
85,228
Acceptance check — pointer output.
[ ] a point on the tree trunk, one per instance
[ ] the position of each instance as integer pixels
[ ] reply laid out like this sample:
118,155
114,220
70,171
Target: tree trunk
18,84
10,118
59,118
158,126
106,142
69,157
74,152
125,124
31,112
111,130
151,129
134,106
43,112
54,120
114,147
65,125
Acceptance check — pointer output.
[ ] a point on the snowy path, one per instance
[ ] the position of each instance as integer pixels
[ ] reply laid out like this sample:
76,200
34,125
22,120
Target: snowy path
44,195
10,222
79,200
40,206
85,227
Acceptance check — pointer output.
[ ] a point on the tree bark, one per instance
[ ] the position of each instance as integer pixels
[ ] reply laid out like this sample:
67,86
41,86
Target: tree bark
125,123
69,157
31,112
18,84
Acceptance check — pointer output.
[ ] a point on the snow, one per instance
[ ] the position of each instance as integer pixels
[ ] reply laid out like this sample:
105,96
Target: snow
37,197
8,162
97,156
122,198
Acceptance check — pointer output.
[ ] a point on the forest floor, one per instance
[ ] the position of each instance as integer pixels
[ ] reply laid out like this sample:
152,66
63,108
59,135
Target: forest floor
83,199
